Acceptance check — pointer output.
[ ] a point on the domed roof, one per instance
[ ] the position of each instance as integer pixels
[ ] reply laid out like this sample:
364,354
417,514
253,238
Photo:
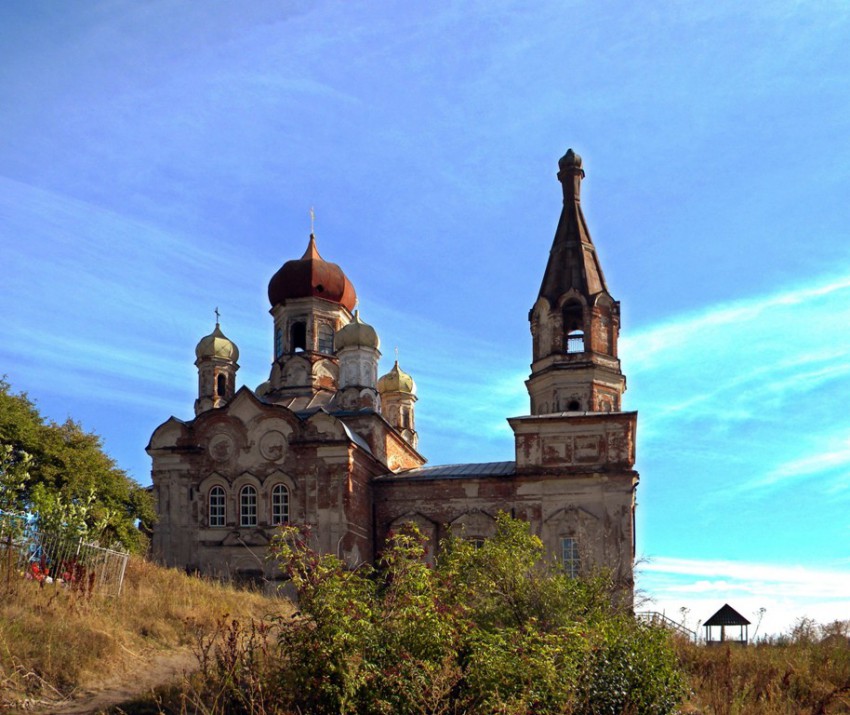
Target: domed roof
217,345
570,160
356,334
396,380
312,276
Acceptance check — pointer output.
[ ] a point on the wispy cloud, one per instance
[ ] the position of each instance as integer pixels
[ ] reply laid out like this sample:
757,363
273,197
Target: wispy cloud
786,592
771,366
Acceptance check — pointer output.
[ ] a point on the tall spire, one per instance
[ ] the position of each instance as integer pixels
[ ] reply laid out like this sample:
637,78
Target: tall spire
573,263
575,322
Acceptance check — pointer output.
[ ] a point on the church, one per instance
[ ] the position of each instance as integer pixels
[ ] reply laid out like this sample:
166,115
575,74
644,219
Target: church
327,443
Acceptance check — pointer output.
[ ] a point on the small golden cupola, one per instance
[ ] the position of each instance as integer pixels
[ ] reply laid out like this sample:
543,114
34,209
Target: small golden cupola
356,347
357,334
216,358
398,395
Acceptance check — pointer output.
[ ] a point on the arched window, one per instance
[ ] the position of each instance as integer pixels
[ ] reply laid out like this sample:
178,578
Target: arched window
280,504
573,317
278,343
326,339
221,385
217,507
298,336
248,506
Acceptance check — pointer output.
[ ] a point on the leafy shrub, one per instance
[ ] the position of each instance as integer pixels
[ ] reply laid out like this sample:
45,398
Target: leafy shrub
494,629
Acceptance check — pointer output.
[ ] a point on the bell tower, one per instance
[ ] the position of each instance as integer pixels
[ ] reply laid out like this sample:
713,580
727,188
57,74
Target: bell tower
216,360
577,437
575,322
311,300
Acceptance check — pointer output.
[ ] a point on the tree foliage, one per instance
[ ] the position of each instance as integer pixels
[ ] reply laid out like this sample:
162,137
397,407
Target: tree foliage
61,473
490,629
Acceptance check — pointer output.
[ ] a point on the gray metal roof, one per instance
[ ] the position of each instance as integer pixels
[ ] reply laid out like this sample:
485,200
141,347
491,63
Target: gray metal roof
457,471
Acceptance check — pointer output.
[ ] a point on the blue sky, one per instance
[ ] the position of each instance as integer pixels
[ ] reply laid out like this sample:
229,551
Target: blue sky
160,159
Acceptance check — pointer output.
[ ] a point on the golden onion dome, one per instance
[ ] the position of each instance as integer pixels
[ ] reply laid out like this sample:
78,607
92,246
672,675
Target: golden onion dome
396,380
217,345
356,334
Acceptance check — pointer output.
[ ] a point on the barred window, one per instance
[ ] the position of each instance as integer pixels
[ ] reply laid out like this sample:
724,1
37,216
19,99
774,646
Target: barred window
326,339
280,504
570,556
217,507
248,506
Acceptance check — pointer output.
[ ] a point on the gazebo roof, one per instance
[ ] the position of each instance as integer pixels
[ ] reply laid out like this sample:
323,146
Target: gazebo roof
727,616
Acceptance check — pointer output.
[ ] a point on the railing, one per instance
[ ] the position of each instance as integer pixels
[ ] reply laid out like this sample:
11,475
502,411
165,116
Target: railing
59,559
659,619
575,343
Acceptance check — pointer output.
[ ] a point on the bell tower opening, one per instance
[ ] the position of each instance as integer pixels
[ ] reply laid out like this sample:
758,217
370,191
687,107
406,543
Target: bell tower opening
298,337
573,321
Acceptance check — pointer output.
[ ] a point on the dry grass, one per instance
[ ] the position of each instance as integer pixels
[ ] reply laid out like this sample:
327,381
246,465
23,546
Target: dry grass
768,679
54,641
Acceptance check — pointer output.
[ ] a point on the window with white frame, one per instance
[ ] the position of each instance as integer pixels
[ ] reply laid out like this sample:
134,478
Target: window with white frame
570,557
217,508
248,506
280,504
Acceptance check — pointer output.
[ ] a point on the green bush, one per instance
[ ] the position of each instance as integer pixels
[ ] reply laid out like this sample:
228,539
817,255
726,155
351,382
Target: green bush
494,629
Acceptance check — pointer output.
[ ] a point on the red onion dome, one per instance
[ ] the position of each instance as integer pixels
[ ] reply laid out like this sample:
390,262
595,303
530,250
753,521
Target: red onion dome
311,276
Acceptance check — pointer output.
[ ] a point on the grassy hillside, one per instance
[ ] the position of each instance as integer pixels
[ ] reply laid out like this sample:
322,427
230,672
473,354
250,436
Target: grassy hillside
795,674
54,641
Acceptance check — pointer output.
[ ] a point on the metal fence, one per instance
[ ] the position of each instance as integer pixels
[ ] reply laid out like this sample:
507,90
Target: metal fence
59,559
659,619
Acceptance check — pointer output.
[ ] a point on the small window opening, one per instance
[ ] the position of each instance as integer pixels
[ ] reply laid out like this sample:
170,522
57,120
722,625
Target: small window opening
278,343
573,317
221,385
298,336
326,339
574,406
570,557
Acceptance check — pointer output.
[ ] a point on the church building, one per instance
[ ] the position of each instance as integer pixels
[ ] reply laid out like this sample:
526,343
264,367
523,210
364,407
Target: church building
327,443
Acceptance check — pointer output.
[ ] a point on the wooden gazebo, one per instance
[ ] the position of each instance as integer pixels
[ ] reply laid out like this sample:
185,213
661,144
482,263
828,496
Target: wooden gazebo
726,617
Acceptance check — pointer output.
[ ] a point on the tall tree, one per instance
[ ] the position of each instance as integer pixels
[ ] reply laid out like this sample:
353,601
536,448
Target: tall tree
61,473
